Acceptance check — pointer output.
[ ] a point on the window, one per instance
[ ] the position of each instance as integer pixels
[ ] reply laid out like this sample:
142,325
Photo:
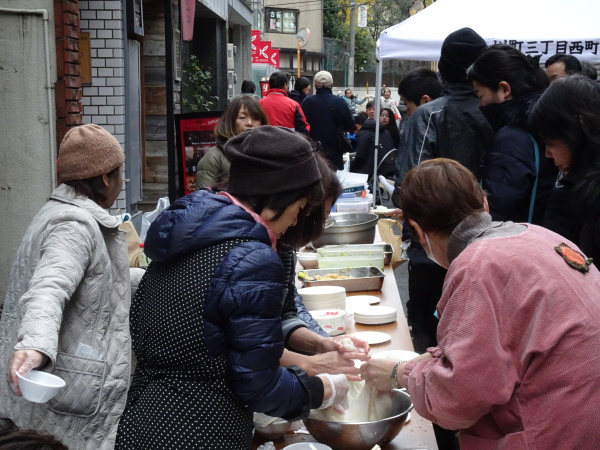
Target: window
281,20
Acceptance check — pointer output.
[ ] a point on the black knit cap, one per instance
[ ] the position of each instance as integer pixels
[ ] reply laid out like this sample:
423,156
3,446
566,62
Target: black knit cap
270,160
459,50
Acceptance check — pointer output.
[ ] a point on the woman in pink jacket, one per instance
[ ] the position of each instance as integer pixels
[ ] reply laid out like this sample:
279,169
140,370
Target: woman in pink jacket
517,363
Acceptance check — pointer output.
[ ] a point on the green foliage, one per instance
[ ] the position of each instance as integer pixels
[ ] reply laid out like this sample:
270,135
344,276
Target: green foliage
335,24
197,88
364,50
385,13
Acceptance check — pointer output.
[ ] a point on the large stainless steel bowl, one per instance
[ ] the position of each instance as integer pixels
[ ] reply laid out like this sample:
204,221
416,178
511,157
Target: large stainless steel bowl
349,228
363,435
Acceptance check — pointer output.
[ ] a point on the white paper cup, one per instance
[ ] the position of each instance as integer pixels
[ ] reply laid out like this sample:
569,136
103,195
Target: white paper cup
39,387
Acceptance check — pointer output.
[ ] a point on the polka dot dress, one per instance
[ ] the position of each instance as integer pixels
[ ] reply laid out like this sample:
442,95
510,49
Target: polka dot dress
179,397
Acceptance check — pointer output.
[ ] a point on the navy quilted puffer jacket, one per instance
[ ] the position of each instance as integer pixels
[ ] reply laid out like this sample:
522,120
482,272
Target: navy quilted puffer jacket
242,300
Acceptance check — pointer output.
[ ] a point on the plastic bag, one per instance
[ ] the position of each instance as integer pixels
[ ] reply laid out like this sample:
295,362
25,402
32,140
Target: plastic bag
397,115
148,218
133,244
390,231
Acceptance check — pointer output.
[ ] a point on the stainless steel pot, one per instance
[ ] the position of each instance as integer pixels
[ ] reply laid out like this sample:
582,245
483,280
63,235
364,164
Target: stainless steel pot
349,228
363,435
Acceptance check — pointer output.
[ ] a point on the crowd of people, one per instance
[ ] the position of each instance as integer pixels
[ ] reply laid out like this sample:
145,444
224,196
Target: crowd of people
497,182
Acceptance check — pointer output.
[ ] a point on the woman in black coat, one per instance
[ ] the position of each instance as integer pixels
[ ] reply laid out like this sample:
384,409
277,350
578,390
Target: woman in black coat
300,91
365,151
566,117
517,178
388,121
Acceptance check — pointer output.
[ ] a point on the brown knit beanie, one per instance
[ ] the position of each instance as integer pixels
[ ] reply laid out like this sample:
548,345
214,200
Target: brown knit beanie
87,151
270,160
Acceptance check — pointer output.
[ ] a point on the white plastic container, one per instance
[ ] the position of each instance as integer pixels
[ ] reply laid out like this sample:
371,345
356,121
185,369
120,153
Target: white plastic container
353,205
339,259
39,387
333,321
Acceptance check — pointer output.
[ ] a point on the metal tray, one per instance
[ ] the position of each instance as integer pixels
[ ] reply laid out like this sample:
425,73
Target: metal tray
388,250
365,278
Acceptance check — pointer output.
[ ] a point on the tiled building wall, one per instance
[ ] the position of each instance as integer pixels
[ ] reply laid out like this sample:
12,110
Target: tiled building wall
104,99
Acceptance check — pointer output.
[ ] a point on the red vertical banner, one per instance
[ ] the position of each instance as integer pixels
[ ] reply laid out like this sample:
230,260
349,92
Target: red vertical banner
264,52
188,9
254,41
274,57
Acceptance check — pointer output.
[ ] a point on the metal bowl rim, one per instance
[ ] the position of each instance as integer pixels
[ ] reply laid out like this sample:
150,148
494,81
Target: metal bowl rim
369,219
409,409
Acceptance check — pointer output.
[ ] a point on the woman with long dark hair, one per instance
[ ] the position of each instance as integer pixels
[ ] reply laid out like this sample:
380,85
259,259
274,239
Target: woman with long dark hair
389,123
516,176
566,117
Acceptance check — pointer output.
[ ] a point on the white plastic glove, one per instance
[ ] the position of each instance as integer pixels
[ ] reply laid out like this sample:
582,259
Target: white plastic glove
339,389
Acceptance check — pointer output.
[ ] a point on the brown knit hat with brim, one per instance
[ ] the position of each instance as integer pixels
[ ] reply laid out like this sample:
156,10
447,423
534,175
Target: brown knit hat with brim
88,151
270,160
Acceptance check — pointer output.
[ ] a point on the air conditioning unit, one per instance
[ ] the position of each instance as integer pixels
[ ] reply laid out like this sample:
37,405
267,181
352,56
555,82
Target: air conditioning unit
230,55
231,82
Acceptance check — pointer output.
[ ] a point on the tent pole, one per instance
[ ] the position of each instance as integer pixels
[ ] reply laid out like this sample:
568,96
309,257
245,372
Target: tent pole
377,114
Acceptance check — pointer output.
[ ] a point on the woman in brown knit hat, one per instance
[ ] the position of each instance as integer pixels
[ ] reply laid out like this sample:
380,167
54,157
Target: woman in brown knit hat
206,318
67,303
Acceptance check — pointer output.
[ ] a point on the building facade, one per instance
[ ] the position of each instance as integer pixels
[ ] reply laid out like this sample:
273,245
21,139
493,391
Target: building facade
117,63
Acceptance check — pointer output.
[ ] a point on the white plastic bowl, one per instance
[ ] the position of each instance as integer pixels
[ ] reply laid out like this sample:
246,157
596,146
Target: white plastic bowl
274,430
308,260
39,387
306,446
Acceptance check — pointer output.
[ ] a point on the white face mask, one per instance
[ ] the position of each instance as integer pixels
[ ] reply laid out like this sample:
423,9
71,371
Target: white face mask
429,253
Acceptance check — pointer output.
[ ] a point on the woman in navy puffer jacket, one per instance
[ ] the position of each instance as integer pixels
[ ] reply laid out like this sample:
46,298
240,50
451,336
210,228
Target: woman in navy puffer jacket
206,319
517,177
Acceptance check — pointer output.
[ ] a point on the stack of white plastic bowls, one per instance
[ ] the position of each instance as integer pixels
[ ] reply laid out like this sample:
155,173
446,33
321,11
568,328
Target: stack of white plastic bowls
323,297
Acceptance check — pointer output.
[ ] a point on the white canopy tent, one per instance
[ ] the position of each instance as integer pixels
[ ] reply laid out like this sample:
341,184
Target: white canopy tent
534,27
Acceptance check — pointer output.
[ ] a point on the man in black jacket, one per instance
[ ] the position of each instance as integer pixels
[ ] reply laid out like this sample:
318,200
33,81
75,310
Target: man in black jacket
328,116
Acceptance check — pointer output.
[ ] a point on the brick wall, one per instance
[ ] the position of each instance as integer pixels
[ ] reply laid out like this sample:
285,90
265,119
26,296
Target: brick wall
68,85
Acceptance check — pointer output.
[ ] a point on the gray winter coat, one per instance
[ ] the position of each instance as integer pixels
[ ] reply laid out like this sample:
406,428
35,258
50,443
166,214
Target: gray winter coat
68,297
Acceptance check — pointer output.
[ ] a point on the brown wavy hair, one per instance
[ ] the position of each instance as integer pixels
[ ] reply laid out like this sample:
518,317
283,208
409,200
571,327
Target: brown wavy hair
226,129
439,194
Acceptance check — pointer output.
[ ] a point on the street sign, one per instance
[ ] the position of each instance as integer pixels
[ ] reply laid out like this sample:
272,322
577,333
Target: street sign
362,16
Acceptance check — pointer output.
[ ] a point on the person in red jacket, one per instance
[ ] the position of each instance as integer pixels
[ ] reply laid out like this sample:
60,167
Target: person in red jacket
280,109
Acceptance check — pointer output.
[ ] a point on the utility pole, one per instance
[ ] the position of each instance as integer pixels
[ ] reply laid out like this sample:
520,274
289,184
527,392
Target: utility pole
352,33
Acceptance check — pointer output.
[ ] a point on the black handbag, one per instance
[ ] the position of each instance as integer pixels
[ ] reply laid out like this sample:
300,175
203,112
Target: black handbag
344,144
